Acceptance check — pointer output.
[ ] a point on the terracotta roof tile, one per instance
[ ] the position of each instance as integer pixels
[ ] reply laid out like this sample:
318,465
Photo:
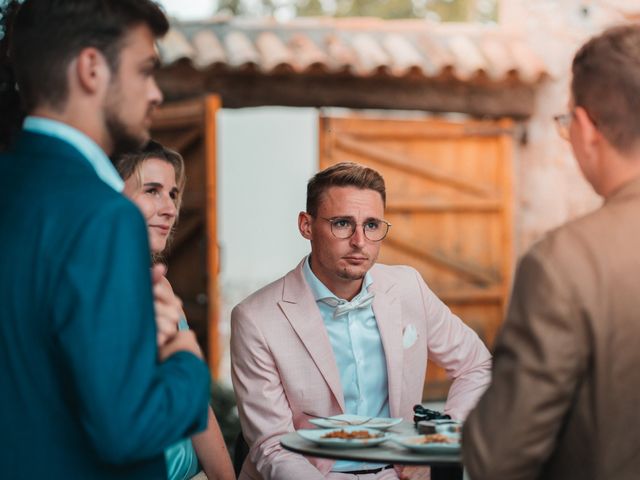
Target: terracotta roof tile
468,61
356,46
308,55
275,56
209,50
241,52
404,55
371,58
499,62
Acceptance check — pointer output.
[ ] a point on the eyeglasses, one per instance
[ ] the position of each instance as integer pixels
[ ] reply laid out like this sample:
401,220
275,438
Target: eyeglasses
374,230
563,122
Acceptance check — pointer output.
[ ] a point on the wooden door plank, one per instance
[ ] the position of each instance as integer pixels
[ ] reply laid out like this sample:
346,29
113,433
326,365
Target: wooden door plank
469,294
402,126
471,272
349,143
436,204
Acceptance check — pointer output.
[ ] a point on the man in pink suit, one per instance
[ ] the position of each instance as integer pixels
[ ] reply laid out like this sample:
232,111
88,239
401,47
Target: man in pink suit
342,334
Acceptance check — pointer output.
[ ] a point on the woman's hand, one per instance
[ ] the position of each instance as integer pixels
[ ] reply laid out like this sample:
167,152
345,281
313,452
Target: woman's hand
167,306
182,341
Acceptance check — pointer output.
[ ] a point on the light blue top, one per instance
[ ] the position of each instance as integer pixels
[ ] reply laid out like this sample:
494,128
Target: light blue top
181,458
87,147
358,351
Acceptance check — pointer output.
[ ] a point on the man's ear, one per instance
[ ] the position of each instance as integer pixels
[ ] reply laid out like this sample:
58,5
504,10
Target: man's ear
589,134
304,224
91,70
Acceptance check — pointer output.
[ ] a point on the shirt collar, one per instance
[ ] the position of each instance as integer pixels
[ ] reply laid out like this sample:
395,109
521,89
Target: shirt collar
85,145
319,290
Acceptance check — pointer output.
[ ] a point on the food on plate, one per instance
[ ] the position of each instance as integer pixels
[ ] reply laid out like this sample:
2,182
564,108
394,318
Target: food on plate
434,438
354,435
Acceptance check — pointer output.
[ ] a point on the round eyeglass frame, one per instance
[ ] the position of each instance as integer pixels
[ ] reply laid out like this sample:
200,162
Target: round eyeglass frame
354,225
563,122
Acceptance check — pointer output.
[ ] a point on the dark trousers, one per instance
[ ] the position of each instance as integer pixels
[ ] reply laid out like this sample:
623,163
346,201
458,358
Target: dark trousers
446,473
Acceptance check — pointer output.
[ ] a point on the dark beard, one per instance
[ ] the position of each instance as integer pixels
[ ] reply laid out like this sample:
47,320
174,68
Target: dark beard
121,140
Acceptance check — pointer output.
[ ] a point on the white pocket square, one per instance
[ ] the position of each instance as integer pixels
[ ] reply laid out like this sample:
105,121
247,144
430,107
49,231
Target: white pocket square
409,336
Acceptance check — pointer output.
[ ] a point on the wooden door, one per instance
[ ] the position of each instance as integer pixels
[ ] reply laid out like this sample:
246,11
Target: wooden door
449,201
190,128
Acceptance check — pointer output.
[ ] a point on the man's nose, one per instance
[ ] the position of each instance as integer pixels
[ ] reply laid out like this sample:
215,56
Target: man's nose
155,94
358,239
168,207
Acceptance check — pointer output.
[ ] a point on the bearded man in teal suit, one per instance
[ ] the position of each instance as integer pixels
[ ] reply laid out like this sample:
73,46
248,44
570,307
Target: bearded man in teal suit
89,387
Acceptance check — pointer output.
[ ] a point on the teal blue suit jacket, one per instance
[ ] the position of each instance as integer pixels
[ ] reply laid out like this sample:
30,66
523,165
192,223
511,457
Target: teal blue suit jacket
82,394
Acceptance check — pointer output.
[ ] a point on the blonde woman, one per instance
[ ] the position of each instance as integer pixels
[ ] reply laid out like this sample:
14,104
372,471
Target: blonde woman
154,181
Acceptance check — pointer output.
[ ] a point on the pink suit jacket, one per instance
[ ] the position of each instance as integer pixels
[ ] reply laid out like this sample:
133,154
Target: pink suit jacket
283,363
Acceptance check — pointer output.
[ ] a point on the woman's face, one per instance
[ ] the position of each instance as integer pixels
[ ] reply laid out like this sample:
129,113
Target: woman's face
156,197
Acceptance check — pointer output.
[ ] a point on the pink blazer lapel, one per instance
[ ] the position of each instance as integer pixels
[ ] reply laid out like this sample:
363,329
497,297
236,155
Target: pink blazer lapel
388,316
300,308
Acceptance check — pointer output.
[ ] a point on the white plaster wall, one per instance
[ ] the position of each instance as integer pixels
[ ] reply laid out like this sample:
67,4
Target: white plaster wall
265,157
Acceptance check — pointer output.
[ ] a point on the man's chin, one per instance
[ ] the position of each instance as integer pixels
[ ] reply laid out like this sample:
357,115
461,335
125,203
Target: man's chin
350,274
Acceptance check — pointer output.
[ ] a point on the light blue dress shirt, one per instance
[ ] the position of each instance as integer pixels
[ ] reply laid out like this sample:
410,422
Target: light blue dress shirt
359,353
87,147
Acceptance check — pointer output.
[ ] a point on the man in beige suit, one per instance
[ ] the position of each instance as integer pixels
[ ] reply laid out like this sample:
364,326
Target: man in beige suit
564,399
342,334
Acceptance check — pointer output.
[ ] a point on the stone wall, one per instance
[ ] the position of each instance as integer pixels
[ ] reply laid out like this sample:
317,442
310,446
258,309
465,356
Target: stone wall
549,188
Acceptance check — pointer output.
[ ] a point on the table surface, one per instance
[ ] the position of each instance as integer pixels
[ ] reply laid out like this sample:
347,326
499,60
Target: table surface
387,452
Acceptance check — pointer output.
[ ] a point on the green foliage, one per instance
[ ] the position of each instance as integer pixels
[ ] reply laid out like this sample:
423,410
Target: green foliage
230,6
460,10
309,8
375,8
444,10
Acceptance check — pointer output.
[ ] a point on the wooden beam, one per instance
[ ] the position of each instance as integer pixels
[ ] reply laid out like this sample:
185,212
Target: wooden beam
179,115
237,90
212,105
186,139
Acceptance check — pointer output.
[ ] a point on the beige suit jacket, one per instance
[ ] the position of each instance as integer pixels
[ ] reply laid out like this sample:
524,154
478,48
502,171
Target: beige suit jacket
283,363
565,396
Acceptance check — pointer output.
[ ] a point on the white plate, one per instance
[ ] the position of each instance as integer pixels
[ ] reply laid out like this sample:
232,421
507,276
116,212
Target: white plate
346,420
413,443
453,430
316,436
